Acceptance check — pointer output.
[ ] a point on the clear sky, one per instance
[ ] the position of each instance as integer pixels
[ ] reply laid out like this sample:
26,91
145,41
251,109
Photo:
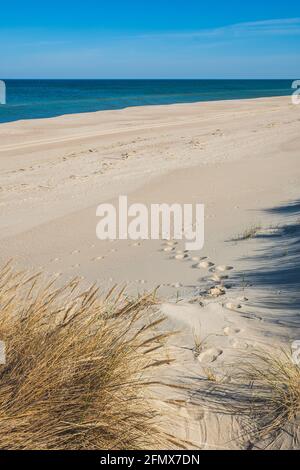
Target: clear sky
149,39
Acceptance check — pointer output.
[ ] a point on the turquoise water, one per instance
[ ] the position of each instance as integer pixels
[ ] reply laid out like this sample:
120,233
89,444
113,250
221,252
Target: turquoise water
28,99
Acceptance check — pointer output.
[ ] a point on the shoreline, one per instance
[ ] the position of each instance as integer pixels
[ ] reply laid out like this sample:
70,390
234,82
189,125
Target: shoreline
55,98
136,107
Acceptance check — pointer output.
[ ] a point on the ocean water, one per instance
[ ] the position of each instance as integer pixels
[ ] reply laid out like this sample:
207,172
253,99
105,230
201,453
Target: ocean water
28,99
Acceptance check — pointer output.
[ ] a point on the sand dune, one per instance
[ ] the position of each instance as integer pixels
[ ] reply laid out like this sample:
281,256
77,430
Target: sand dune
239,158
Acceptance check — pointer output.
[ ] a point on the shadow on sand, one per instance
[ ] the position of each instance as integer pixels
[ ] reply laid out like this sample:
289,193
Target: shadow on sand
277,267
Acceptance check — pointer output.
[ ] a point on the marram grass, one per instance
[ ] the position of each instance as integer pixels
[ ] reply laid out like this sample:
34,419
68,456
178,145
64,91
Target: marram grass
77,367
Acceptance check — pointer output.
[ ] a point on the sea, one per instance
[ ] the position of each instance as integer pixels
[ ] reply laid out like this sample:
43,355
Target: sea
35,99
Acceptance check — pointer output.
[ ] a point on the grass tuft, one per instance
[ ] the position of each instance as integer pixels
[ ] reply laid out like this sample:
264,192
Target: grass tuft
77,367
249,233
275,399
263,395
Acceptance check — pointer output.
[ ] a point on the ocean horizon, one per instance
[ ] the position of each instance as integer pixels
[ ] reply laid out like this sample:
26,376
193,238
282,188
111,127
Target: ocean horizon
35,99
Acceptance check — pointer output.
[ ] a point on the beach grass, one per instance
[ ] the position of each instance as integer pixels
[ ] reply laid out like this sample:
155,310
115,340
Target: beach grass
77,368
248,233
263,396
274,403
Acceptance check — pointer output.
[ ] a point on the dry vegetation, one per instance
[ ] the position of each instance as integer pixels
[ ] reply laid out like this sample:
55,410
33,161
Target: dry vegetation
275,398
263,395
76,367
249,233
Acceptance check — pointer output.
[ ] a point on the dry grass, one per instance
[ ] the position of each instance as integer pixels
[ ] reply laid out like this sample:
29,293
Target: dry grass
198,342
263,395
249,233
76,367
275,399
210,374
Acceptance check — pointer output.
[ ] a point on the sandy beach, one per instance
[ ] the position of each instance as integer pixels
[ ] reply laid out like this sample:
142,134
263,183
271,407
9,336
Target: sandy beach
240,293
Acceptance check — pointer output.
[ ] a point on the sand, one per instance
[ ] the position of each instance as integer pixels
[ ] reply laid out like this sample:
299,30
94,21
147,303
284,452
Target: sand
239,158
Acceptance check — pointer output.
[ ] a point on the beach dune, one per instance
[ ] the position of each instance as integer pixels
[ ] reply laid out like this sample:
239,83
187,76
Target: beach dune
239,158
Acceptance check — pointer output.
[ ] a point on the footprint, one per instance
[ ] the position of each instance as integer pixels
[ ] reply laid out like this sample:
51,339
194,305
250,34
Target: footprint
231,331
224,268
235,343
232,306
98,258
217,132
181,257
169,249
216,291
210,355
75,252
177,285
243,299
171,243
218,278
206,264
203,265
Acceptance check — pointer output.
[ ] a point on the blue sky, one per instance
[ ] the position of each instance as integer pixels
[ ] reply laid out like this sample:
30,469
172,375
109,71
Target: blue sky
149,39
